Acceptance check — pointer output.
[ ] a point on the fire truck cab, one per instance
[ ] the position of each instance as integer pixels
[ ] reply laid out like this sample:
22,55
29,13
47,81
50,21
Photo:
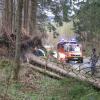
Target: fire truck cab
61,51
73,52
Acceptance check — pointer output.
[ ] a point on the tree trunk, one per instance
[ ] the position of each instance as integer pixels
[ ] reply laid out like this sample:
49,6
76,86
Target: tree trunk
63,73
10,14
32,23
14,19
5,17
26,13
43,71
18,38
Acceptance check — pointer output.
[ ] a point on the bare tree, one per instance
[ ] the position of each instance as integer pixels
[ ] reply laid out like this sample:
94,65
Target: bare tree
18,38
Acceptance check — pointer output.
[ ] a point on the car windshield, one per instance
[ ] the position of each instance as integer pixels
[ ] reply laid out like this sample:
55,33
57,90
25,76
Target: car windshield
77,49
71,48
72,42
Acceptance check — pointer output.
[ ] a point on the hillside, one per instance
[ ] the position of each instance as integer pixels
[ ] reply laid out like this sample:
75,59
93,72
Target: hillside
35,86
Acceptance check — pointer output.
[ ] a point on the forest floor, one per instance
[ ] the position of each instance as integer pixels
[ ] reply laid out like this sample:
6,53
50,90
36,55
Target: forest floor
35,86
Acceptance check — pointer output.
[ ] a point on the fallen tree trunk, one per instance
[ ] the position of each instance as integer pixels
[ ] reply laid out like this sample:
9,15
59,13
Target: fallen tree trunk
43,71
53,67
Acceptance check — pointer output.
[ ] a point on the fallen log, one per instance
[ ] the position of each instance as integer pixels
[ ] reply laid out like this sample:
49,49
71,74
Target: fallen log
53,67
43,71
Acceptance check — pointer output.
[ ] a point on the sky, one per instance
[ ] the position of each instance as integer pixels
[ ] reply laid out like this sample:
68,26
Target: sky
49,13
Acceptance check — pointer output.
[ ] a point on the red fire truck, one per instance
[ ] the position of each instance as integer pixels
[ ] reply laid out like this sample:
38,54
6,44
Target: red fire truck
70,51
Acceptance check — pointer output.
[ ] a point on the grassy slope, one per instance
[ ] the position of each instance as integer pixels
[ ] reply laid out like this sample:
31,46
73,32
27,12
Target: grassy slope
41,87
50,89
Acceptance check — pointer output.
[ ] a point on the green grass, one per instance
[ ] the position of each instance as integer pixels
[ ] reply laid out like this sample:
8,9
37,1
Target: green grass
49,89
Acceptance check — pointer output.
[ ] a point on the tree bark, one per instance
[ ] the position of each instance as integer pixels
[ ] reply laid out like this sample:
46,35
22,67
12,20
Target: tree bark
26,13
32,22
43,71
14,14
10,15
18,38
5,17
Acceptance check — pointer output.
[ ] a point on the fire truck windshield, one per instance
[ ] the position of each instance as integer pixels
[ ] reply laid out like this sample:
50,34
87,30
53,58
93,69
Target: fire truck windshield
72,48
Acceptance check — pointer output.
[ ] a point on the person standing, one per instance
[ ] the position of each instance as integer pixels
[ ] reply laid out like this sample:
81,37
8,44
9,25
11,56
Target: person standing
93,60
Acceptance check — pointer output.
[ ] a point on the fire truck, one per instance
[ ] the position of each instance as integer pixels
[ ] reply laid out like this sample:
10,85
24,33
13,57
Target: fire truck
70,51
61,51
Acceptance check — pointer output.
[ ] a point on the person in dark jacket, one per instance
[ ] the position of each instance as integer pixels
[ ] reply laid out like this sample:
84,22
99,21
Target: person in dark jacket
93,60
